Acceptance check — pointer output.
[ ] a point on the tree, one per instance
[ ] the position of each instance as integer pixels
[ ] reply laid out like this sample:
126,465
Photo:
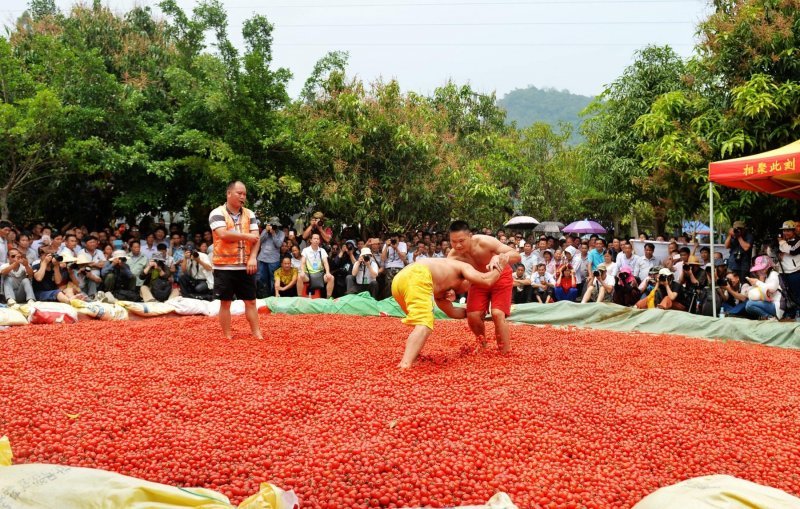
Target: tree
621,180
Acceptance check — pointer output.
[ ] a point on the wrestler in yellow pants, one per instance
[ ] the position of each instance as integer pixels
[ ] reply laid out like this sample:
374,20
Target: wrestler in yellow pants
412,288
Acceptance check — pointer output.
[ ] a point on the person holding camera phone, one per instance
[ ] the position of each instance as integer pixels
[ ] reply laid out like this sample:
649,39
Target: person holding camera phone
197,276
17,275
740,244
566,284
365,274
647,289
394,257
269,257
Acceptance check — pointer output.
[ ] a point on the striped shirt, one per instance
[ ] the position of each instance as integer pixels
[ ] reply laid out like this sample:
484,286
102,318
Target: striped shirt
217,220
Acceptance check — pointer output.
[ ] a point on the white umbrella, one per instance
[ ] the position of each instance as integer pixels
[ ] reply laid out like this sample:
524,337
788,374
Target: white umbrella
522,222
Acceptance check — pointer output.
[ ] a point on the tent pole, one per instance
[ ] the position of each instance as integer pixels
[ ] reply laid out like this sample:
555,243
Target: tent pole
711,247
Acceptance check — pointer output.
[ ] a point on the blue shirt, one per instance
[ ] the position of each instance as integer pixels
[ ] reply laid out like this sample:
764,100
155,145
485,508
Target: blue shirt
595,258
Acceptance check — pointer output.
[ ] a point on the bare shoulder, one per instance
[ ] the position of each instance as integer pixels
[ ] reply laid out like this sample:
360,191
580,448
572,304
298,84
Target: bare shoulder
486,243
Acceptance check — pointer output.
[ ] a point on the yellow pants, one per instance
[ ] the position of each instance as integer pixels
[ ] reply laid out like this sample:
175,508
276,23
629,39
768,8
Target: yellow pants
412,288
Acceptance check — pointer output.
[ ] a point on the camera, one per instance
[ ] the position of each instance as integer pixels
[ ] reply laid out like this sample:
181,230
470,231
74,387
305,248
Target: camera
58,258
662,278
623,276
122,259
722,283
195,254
367,257
596,273
394,241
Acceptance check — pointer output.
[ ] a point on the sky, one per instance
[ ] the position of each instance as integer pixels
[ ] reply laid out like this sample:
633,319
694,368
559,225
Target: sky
493,45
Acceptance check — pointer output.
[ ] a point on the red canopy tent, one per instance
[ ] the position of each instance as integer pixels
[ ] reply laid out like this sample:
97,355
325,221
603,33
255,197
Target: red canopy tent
774,172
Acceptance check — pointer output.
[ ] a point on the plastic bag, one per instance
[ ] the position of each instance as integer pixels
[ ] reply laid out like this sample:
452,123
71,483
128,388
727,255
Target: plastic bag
718,492
49,312
147,309
49,486
186,306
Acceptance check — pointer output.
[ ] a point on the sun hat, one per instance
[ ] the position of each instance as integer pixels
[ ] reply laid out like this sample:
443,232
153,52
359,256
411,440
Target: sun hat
788,225
158,257
626,269
654,270
83,259
761,263
571,250
318,215
739,224
601,266
119,253
365,251
67,257
664,272
719,262
693,260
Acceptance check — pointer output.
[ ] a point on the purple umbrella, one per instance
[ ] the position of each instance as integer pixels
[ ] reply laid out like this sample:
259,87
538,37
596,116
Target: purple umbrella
584,226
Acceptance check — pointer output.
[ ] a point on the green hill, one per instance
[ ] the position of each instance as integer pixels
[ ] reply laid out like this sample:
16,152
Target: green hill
528,105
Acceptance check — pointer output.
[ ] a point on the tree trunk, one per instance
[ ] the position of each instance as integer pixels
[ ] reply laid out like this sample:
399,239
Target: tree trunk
4,204
634,227
616,226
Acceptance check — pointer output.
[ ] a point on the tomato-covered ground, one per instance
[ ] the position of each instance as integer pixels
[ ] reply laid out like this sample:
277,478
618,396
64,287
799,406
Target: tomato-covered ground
572,418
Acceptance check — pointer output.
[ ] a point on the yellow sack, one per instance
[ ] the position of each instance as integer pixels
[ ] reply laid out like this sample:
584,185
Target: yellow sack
718,492
10,316
147,309
100,310
651,299
54,486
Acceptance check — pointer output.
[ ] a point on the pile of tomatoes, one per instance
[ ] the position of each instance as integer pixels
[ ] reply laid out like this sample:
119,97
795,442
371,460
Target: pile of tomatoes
571,418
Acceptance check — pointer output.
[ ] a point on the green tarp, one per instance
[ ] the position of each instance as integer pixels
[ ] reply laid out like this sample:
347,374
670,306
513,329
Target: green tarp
599,316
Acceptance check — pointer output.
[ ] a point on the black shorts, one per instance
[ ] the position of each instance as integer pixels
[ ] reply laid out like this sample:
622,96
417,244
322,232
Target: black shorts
234,284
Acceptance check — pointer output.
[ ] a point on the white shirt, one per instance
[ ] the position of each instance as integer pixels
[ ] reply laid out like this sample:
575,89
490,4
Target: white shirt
634,262
538,279
20,273
645,264
197,271
149,251
529,262
612,269
393,260
363,275
314,259
296,263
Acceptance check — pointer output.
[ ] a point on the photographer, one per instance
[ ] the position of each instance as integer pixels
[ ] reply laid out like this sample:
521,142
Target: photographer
197,276
394,257
647,289
269,257
17,274
765,298
365,275
85,276
317,225
118,279
669,294
720,273
694,280
50,278
157,285
789,266
734,294
342,267
740,243
626,290
599,286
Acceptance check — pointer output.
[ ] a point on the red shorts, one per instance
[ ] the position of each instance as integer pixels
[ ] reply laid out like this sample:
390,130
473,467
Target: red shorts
499,294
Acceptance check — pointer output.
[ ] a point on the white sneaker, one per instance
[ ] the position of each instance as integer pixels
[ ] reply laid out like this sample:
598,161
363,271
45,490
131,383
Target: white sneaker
99,296
109,297
11,302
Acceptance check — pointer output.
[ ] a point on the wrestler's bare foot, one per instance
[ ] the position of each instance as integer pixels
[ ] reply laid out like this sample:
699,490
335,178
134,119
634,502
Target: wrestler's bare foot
404,365
504,347
481,343
258,336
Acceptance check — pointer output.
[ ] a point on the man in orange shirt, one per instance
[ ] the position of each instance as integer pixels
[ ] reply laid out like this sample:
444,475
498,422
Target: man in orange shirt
236,243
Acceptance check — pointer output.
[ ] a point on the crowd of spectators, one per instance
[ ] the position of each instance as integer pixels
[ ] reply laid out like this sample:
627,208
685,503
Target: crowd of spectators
157,262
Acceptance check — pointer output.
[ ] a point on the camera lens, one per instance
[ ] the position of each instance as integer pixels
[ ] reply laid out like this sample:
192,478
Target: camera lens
662,277
596,273
58,258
